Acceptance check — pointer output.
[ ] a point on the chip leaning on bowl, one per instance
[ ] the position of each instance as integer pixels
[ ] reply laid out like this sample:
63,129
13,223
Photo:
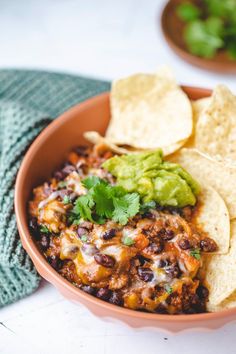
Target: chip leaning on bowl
144,219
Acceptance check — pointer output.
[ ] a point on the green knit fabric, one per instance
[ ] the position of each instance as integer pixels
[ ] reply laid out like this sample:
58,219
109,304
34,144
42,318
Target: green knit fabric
29,100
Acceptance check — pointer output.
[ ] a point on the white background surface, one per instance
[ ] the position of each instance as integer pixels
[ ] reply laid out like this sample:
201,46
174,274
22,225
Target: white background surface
105,39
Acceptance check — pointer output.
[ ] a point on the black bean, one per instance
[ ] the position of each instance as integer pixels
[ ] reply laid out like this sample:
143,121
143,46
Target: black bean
109,234
65,171
160,290
142,260
34,228
184,243
155,247
45,241
202,292
81,231
166,234
59,175
208,245
89,249
145,274
163,263
82,151
116,299
173,270
33,224
87,225
89,289
104,260
55,262
104,294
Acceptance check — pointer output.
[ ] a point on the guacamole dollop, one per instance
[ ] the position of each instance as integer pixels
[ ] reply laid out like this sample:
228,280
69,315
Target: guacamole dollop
153,178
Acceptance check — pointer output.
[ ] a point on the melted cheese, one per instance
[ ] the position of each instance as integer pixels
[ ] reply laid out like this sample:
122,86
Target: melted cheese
74,182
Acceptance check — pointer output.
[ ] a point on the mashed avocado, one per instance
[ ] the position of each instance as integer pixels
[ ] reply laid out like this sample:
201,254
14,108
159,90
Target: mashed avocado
154,179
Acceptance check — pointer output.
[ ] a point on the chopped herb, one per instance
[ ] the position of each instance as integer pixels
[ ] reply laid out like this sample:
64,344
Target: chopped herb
210,26
168,289
128,241
91,181
83,207
84,238
125,207
76,222
188,12
201,38
44,229
104,201
62,184
66,200
196,253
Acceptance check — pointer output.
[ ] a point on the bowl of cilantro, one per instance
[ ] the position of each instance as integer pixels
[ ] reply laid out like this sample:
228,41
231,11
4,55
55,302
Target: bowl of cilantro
202,32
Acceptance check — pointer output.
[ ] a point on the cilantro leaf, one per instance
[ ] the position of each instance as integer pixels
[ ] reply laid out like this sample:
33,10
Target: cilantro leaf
102,196
231,49
188,12
92,181
104,201
84,238
210,26
83,206
99,219
214,26
200,40
168,289
128,241
220,8
196,253
125,207
44,229
66,199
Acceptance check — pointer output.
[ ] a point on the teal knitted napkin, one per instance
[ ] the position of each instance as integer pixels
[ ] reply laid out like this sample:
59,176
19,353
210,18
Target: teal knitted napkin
29,100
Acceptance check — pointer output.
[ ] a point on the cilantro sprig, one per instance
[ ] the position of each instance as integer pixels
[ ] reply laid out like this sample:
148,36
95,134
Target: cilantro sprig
196,253
66,200
104,201
168,289
44,229
210,27
128,241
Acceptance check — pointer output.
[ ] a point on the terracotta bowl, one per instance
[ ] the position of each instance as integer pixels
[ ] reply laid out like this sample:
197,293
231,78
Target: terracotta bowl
47,153
172,28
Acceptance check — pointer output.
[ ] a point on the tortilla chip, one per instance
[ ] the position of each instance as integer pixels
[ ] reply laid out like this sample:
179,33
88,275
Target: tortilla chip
95,138
228,303
198,107
213,216
149,112
221,272
209,172
216,126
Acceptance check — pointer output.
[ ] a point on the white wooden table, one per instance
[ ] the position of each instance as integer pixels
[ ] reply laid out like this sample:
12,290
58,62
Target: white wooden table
105,39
